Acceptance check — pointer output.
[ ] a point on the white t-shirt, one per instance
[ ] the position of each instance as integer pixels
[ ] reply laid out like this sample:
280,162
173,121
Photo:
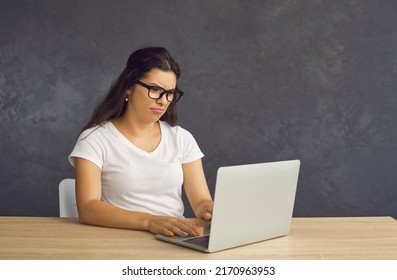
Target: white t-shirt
134,179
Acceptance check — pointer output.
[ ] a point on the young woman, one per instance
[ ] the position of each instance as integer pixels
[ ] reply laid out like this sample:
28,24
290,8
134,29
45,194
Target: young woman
131,159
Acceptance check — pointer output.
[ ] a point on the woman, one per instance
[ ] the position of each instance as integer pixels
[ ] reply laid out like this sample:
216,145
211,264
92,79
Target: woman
131,160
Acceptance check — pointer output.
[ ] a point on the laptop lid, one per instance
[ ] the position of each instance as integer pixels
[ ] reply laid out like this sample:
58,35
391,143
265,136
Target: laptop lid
253,203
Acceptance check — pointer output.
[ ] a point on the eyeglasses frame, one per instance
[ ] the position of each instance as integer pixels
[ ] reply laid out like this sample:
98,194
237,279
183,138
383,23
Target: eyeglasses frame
149,87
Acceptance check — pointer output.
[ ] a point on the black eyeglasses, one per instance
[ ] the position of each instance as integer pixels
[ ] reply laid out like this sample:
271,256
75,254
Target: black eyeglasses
156,92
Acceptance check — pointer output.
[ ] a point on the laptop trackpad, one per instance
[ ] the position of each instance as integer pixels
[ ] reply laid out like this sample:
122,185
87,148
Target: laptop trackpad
201,241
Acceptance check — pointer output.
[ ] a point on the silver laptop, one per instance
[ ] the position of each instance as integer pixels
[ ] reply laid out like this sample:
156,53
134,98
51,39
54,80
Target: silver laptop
252,203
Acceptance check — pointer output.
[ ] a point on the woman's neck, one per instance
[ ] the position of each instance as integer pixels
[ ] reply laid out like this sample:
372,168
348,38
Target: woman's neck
135,128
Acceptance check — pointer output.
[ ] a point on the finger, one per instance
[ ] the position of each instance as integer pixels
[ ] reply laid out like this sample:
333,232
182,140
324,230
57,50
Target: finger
185,227
194,231
177,230
166,232
197,231
206,216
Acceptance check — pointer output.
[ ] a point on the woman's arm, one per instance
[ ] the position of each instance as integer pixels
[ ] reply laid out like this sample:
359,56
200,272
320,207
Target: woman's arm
196,189
96,212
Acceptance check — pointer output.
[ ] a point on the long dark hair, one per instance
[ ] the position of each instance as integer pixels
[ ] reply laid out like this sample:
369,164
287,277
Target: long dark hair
139,63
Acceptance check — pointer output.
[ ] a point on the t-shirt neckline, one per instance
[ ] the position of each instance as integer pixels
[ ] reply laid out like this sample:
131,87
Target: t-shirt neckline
129,143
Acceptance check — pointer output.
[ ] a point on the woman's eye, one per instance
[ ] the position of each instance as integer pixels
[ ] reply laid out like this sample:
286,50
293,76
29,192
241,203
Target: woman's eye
156,89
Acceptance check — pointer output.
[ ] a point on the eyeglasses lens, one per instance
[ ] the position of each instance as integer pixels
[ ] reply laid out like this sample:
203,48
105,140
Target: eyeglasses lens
171,95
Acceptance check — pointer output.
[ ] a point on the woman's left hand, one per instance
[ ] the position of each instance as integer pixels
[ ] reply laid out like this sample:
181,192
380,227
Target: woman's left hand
204,210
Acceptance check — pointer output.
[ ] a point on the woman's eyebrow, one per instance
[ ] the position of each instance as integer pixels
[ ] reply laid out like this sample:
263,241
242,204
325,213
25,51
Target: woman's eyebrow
158,85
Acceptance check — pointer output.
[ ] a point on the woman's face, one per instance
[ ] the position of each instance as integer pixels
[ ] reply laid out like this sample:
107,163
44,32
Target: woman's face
141,106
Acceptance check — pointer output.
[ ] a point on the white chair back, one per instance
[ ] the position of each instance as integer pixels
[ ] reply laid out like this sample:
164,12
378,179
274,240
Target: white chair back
67,198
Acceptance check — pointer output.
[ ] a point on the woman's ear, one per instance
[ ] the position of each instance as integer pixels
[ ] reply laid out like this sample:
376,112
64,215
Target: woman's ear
127,94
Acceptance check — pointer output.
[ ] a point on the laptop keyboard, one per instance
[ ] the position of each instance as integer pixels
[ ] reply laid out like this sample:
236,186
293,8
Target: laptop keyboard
202,241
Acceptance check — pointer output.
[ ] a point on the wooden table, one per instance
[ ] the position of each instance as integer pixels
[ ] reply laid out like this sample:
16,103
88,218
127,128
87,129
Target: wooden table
309,239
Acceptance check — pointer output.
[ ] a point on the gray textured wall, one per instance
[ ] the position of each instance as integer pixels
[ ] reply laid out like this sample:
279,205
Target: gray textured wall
264,81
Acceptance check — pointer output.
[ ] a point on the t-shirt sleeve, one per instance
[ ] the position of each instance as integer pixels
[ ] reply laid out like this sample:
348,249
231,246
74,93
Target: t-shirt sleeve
89,147
189,147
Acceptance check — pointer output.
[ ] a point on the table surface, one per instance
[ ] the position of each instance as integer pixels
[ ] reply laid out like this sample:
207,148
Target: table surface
310,239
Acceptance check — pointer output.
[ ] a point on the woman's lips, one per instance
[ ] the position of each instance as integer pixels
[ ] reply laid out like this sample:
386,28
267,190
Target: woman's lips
157,110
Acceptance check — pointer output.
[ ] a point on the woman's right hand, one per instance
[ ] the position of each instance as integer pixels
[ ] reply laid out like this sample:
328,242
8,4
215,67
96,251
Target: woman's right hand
171,226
